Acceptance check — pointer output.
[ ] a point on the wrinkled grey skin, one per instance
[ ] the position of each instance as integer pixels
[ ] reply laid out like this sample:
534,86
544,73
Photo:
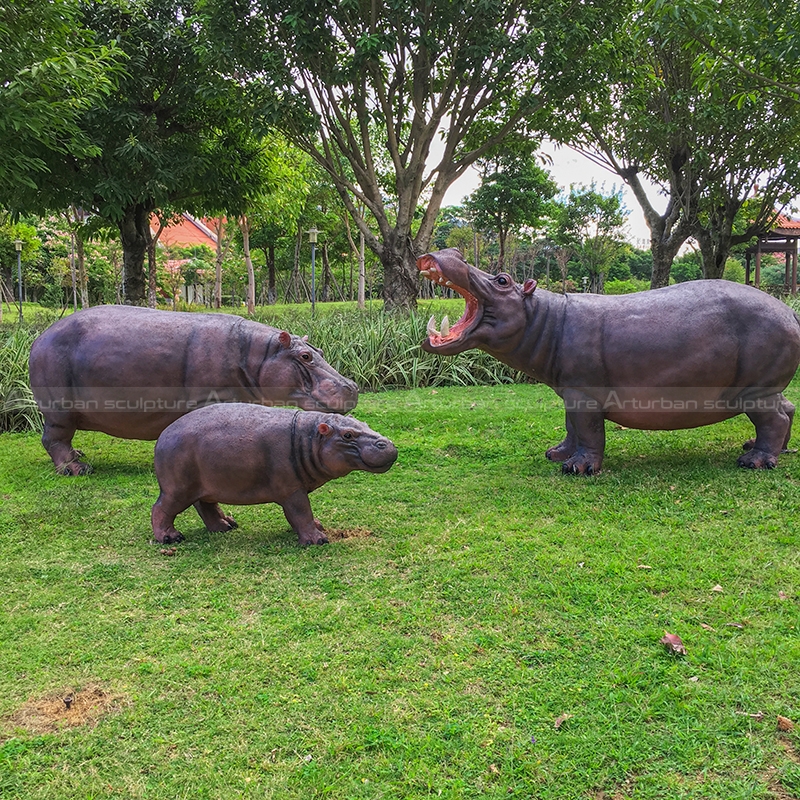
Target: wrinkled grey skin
680,357
130,372
244,454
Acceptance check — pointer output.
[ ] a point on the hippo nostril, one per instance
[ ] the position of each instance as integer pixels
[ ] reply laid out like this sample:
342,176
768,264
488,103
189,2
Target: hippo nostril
381,444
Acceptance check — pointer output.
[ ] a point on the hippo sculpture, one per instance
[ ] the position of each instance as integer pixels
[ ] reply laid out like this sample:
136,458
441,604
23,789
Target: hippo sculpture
679,357
130,372
246,454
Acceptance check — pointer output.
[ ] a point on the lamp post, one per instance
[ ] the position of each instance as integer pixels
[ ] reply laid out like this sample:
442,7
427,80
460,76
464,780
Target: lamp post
312,237
18,245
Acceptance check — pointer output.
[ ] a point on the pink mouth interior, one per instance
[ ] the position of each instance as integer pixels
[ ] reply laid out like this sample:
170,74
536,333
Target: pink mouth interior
430,270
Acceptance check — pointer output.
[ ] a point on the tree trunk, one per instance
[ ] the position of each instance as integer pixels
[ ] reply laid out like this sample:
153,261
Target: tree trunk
400,281
326,275
272,293
362,273
152,267
715,239
83,282
244,225
714,252
222,249
134,229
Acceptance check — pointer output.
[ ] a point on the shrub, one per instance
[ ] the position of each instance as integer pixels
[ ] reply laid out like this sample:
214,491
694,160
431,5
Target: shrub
625,287
18,410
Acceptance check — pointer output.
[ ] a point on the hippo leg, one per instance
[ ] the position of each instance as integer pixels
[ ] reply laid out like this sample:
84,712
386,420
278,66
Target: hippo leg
163,516
214,517
299,515
586,432
773,424
563,450
789,409
57,440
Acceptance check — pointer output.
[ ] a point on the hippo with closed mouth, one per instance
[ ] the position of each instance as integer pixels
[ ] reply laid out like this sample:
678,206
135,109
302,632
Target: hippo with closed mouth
679,357
245,455
129,372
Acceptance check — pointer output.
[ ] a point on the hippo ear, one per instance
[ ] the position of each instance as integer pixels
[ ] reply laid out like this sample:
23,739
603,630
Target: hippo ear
305,338
284,338
529,287
324,429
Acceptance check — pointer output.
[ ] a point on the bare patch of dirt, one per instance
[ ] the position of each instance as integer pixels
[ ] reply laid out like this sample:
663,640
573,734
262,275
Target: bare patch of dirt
70,708
337,534
789,749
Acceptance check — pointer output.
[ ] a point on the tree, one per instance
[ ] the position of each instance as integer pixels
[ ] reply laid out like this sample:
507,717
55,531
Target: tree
52,71
514,193
276,211
653,116
373,93
756,43
175,131
589,225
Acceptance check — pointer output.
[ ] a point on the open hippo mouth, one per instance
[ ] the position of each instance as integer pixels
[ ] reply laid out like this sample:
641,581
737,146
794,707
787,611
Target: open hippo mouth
449,276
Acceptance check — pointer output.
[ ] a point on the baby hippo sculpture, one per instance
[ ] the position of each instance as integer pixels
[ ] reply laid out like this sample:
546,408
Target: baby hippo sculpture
130,372
247,454
680,357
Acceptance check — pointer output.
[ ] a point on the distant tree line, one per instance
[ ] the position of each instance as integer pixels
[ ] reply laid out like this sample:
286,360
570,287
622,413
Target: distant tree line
280,117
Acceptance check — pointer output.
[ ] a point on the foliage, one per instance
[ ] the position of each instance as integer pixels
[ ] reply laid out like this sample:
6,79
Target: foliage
687,267
176,130
489,629
625,287
52,70
589,223
734,271
515,193
664,109
18,410
758,55
359,91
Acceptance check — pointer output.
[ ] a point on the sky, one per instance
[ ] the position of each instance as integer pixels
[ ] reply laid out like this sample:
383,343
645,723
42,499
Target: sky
570,167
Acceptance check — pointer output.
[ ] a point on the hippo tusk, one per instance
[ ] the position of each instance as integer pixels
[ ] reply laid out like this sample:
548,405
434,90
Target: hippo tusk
445,326
431,329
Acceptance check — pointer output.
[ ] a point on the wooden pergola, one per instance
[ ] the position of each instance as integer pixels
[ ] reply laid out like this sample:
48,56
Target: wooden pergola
783,238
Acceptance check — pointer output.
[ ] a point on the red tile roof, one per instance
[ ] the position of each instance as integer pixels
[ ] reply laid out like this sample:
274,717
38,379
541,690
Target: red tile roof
785,223
187,232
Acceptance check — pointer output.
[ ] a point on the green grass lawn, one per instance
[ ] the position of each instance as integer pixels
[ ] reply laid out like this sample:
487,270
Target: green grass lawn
433,657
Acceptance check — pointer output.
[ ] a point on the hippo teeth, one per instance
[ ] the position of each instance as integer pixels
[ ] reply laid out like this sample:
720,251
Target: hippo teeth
435,276
444,332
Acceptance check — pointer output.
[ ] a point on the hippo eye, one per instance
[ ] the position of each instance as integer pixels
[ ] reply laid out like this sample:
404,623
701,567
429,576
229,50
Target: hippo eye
502,280
347,435
305,355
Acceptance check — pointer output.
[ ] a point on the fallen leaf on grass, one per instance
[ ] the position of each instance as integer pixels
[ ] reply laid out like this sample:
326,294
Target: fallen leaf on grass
673,643
707,627
785,724
168,551
644,566
783,596
758,716
717,588
561,720
494,769
735,624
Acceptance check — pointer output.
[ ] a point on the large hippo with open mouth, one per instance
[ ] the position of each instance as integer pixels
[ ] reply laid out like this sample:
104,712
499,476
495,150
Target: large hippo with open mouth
246,455
130,372
679,357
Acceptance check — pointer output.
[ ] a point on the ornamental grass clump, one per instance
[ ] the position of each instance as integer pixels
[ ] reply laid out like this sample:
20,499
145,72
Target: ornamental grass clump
18,410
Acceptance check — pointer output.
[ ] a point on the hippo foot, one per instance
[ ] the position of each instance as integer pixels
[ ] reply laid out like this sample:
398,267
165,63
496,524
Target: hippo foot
222,525
757,459
581,464
168,537
74,468
559,452
318,537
